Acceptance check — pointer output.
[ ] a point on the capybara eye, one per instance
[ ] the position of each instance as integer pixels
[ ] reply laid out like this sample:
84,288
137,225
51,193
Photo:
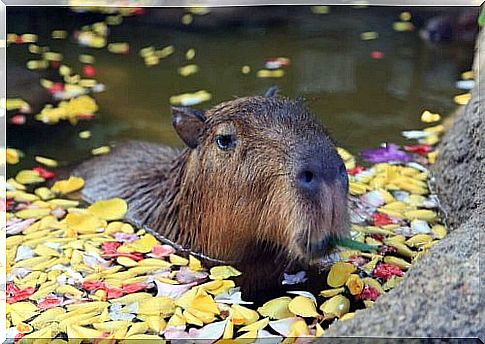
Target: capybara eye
225,142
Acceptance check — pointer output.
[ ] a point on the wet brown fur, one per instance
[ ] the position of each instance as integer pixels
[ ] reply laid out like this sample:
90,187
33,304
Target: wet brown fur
238,206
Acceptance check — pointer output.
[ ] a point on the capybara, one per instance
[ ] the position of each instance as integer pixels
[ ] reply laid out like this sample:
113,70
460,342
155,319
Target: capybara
259,185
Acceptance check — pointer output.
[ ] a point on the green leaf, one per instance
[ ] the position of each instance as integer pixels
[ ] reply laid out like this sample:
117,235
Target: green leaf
353,245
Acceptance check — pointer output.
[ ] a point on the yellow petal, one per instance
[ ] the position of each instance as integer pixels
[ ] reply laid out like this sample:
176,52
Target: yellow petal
355,284
131,298
429,117
462,99
241,315
149,338
223,272
86,134
46,161
69,185
119,227
397,261
374,284
21,311
319,330
421,214
347,316
177,318
205,303
419,240
439,231
192,319
303,306
195,264
155,262
336,306
392,282
46,332
28,177
16,185
186,299
177,260
47,317
217,287
84,223
101,150
339,273
205,317
144,244
64,203
332,292
256,326
109,210
368,303
276,308
76,331
137,328
34,213
44,193
125,261
228,331
69,290
157,306
298,328
12,156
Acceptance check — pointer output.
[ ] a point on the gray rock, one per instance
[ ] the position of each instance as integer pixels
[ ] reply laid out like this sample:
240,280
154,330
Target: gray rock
440,296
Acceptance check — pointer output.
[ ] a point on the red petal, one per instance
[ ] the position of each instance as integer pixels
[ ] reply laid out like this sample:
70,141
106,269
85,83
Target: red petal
369,293
386,271
110,246
49,302
93,285
18,119
114,293
89,71
420,149
133,287
357,169
46,174
381,219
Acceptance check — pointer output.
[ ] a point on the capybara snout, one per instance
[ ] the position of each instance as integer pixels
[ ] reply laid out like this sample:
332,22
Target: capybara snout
259,184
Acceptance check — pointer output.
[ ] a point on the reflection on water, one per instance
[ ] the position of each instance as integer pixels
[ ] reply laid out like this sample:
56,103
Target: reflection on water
363,101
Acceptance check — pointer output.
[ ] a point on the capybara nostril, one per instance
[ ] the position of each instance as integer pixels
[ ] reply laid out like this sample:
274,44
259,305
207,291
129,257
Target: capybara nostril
307,179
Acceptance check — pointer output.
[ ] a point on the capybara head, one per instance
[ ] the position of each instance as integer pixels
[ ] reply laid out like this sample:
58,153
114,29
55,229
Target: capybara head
260,173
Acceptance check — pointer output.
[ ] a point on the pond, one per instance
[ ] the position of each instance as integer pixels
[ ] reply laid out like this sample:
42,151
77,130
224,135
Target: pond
362,100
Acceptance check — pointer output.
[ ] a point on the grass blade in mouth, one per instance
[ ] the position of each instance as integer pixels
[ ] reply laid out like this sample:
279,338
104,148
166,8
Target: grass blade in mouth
353,245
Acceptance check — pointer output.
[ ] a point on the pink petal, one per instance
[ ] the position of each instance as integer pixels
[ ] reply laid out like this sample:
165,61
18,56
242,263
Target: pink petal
160,251
173,291
18,227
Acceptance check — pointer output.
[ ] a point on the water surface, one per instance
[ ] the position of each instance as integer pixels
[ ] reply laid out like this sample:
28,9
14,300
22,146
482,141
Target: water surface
363,101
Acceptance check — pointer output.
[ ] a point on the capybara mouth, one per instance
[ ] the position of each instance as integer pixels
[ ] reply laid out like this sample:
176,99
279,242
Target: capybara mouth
325,220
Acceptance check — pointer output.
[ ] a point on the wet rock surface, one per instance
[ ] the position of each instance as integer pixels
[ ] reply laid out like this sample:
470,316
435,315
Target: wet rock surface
440,295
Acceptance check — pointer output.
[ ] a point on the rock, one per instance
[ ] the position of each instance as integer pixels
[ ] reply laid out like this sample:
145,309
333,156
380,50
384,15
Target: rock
440,295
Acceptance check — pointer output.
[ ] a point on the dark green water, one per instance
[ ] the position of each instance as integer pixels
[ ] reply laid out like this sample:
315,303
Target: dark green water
363,101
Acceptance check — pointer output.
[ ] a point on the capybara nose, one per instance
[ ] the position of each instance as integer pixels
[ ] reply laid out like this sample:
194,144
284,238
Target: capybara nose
311,176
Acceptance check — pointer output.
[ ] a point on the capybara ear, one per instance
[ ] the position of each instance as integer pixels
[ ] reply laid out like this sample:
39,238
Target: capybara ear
188,124
272,91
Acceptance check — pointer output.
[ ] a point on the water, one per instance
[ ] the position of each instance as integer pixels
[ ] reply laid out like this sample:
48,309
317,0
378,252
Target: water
362,101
